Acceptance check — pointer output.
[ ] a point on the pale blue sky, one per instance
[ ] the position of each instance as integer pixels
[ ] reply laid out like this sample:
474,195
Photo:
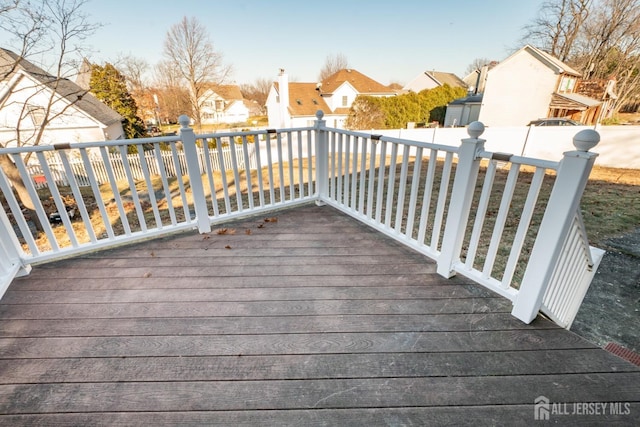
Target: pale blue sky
390,41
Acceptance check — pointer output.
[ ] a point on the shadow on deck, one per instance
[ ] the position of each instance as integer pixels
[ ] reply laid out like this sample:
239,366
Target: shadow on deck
309,318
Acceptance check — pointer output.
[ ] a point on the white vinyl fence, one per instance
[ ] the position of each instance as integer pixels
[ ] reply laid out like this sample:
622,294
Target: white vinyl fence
115,159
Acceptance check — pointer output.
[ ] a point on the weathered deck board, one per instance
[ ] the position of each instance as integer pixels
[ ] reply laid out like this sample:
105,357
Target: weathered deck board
448,415
311,394
263,324
311,366
312,319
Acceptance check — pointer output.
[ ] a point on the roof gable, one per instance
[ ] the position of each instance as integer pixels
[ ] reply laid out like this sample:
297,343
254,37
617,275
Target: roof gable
10,63
550,61
361,83
446,79
226,92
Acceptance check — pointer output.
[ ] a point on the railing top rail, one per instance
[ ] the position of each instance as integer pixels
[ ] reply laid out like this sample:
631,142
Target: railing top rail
512,158
138,141
413,143
252,132
78,145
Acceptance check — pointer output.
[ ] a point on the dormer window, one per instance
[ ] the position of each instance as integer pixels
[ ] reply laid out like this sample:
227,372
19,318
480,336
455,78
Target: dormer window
345,101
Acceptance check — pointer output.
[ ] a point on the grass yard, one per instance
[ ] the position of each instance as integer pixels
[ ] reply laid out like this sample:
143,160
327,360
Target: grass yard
611,203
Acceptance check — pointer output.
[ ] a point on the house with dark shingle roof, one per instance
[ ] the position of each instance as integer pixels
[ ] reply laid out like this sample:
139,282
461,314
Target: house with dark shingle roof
223,104
27,92
432,80
295,104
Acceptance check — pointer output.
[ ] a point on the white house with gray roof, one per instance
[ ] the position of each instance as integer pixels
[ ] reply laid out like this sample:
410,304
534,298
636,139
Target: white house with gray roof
27,92
528,85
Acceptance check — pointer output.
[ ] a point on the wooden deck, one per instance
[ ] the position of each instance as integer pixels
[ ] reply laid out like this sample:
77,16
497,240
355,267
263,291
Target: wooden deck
309,318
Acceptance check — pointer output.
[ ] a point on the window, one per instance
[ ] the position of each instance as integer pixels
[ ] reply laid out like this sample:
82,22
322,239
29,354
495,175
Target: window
567,84
345,101
37,114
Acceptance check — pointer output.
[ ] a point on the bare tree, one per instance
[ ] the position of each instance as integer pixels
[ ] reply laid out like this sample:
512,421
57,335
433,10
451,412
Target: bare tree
172,98
610,47
601,38
188,48
58,28
332,64
135,70
558,25
257,91
366,112
477,64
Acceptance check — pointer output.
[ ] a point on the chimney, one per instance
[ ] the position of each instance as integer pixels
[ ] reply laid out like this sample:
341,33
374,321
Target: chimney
283,85
482,79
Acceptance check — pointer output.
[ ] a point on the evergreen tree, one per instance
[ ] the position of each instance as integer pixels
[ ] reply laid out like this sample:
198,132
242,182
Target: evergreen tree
109,86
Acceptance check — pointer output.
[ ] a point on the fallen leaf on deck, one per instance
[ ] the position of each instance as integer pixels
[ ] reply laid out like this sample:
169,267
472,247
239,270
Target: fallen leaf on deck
226,231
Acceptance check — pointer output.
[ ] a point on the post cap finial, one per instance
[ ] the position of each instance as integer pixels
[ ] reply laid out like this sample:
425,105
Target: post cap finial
184,121
586,139
319,114
475,129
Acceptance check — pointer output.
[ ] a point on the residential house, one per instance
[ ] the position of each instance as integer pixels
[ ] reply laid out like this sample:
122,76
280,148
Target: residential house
292,104
528,85
27,92
223,104
432,80
476,79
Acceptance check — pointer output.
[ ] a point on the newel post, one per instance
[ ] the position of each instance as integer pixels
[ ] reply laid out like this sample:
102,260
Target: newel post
564,201
322,159
188,138
11,253
461,197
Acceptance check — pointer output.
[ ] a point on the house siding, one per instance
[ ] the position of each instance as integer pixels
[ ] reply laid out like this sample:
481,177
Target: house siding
517,91
72,125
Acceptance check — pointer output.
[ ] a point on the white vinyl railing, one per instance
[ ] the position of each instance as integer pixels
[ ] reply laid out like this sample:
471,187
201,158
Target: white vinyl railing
570,280
446,202
171,164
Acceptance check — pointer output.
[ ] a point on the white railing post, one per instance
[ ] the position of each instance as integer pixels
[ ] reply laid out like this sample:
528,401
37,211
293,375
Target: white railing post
322,159
188,138
461,197
564,201
11,254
